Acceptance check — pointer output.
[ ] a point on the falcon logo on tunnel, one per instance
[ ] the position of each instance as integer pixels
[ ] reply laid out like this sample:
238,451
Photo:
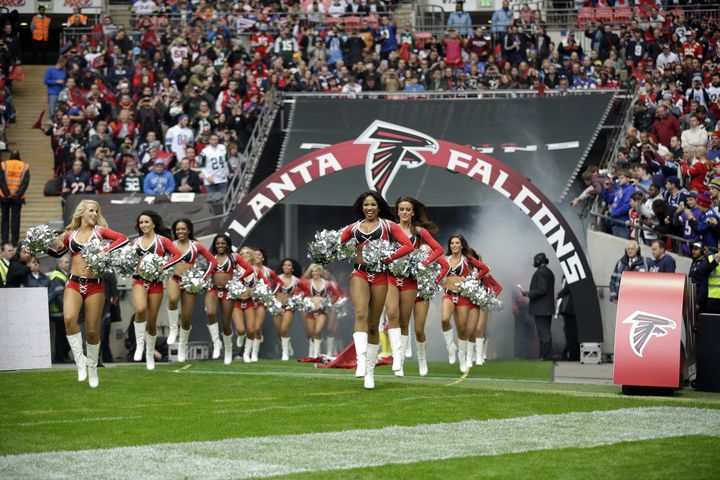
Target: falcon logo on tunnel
392,147
644,327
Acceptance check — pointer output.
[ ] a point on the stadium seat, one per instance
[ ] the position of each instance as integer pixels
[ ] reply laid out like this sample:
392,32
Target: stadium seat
351,23
585,17
622,15
604,15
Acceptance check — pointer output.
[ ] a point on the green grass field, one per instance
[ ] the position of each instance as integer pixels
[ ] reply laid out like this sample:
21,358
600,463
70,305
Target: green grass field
49,411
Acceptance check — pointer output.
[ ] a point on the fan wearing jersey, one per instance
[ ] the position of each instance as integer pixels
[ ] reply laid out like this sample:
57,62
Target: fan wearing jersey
272,280
179,137
289,286
84,290
227,263
402,292
214,166
147,295
477,321
318,289
177,296
462,264
368,289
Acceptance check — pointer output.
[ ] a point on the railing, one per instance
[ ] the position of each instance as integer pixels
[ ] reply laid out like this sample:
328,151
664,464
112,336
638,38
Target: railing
433,95
239,185
611,153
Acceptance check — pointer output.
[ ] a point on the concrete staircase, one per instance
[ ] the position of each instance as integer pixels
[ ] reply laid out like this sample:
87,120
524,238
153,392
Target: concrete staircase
29,99
120,15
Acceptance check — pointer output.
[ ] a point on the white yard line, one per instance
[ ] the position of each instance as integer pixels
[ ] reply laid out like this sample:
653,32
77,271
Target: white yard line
315,452
76,420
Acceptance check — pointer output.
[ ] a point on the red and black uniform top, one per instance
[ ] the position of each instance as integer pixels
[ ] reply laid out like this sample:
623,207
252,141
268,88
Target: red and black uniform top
296,287
386,230
465,265
71,244
159,246
490,282
195,251
422,236
328,289
234,262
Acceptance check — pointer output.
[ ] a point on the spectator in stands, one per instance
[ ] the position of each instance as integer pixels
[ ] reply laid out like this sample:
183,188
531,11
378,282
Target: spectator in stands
703,264
698,92
35,277
6,255
665,126
214,166
667,58
159,181
55,81
336,9
78,179
56,291
630,262
18,269
460,20
660,261
713,153
106,181
708,225
40,32
77,19
187,180
696,135
619,200
133,179
686,220
179,137
674,193
501,20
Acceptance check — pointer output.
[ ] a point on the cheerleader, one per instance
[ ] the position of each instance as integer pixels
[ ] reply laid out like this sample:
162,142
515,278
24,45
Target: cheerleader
271,279
461,263
83,289
319,289
147,295
289,285
245,308
226,264
477,323
402,292
185,242
368,289
333,321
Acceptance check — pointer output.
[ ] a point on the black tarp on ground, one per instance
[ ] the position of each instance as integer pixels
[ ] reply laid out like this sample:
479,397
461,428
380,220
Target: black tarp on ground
501,124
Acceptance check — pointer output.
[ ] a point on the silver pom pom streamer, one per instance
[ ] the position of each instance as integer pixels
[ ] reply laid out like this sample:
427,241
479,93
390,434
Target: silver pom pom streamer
236,288
479,295
409,265
262,293
124,260
38,239
97,261
193,281
295,303
311,306
341,307
375,252
274,307
151,268
327,248
426,276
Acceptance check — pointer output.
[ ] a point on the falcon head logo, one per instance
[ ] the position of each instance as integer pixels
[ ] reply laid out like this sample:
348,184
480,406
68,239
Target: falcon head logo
645,326
392,147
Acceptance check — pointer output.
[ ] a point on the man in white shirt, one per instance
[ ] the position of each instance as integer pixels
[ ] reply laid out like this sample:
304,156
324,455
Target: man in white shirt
214,167
179,137
336,9
666,57
144,7
696,135
179,50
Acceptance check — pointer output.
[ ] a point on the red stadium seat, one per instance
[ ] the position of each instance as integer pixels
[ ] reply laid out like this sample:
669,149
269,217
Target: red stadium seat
351,23
332,21
586,16
622,15
604,15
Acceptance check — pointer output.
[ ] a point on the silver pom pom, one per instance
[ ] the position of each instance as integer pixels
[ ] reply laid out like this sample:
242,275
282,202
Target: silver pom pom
426,276
274,307
193,281
327,248
479,295
236,288
341,307
38,239
97,261
375,252
294,303
262,293
151,268
124,260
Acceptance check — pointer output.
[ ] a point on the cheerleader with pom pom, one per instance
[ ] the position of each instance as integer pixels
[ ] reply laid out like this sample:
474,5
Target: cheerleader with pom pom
368,288
461,263
321,293
85,290
402,290
477,321
177,295
227,264
147,287
272,280
289,287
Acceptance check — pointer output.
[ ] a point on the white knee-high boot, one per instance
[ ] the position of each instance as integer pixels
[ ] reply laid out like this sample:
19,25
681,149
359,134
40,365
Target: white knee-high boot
76,346
255,350
150,352
285,341
371,354
92,363
182,344
330,346
361,345
140,329
462,355
173,316
451,348
395,347
215,337
422,358
407,346
480,349
227,344
240,340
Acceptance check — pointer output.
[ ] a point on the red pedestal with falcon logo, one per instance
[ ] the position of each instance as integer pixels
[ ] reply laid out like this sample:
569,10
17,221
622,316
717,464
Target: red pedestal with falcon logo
650,329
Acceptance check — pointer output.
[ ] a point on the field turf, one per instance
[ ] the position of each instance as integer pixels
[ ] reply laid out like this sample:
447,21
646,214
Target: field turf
48,411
